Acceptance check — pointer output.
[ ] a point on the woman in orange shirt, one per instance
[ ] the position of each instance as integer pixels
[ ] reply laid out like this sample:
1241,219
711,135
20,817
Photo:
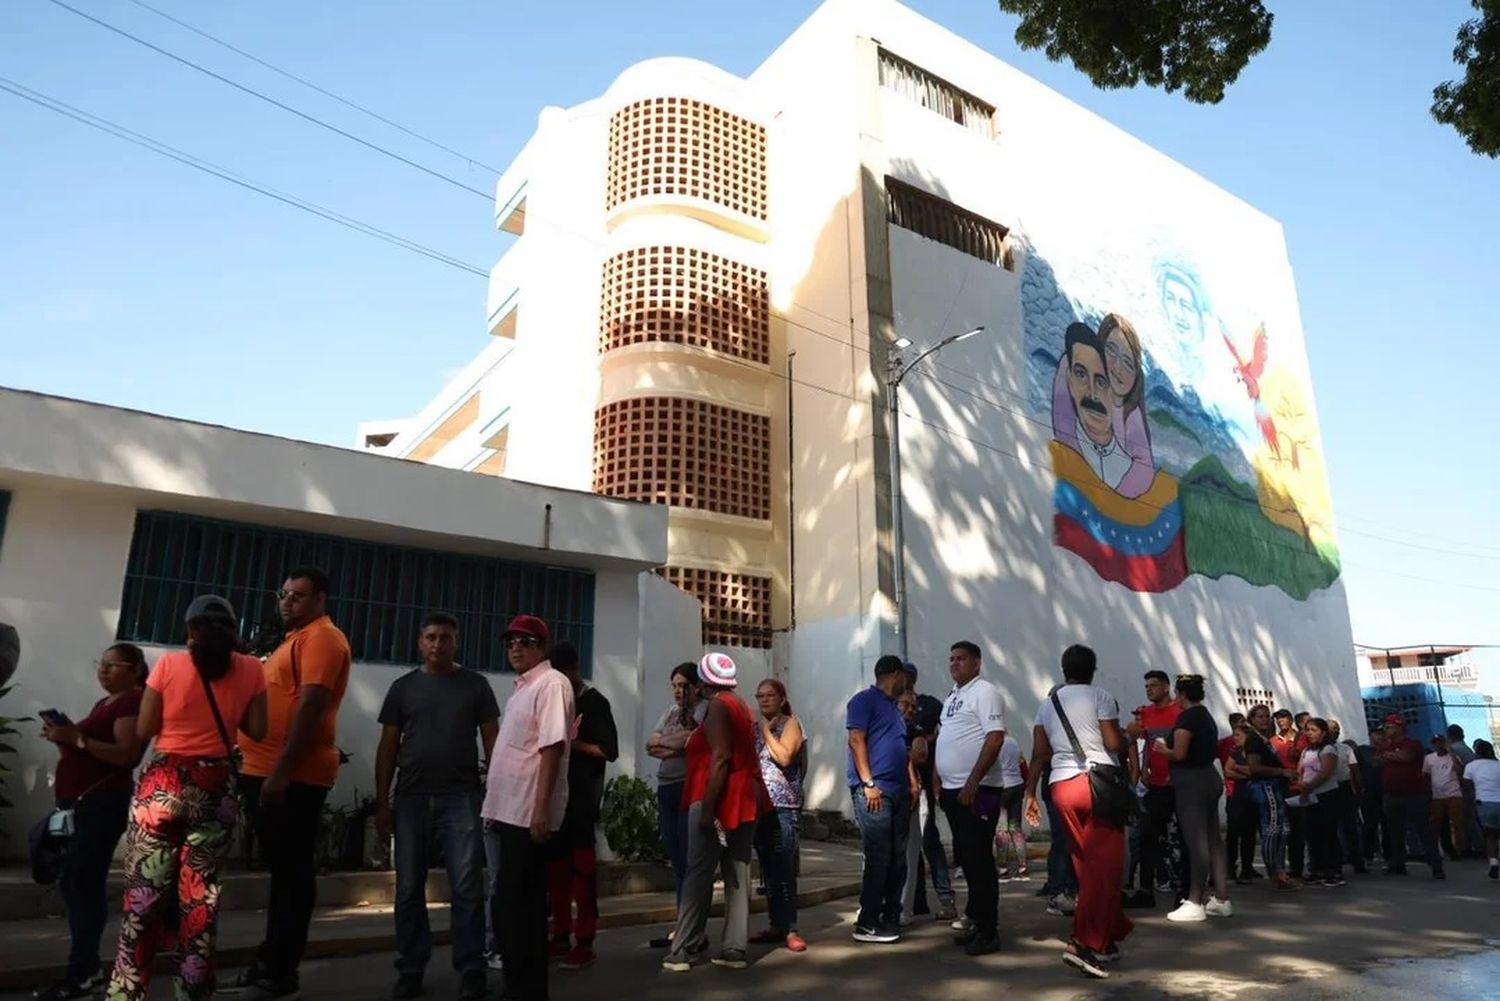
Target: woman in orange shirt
185,810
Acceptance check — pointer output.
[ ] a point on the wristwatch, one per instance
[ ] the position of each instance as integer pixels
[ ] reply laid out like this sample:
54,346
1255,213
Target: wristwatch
868,783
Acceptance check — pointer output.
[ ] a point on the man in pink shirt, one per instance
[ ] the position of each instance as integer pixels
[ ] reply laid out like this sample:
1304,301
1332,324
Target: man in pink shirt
525,796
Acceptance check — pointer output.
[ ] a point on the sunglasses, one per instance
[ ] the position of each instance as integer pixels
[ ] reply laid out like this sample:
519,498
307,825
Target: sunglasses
282,594
520,642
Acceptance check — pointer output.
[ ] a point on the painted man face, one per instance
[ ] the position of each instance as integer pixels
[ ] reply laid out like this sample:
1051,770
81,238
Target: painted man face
1181,307
1089,386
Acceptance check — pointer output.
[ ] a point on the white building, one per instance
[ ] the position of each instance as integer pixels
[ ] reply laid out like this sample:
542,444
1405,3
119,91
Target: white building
711,274
111,520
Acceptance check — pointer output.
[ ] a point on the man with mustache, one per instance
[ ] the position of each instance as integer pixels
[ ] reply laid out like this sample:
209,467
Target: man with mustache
1093,431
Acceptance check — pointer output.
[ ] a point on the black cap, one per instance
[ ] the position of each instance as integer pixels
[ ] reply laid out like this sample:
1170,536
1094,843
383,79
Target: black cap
211,606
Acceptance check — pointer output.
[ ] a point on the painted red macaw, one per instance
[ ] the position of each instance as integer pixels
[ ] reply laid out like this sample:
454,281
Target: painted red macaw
1249,373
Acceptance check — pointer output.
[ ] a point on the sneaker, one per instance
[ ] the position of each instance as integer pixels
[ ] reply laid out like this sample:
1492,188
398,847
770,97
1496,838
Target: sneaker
1335,881
408,985
795,943
242,981
1086,960
65,989
1062,906
882,936
768,936
578,958
1140,900
1217,908
662,942
1188,911
1495,870
1005,874
473,986
946,911
682,962
966,936
1021,876
731,959
982,944
559,948
492,960
962,924
270,989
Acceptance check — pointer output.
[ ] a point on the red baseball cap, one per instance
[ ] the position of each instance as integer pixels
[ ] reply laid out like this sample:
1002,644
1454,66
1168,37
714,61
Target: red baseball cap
528,625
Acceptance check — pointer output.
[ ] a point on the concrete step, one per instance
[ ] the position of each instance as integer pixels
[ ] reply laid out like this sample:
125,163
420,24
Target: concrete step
21,899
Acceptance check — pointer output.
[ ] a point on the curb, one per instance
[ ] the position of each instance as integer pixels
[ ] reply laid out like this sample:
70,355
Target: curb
26,978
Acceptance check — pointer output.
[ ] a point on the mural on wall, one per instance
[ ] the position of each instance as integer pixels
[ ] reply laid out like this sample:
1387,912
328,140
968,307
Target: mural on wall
1183,437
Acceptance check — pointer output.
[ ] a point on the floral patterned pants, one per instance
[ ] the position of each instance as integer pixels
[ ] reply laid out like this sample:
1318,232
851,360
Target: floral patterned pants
181,823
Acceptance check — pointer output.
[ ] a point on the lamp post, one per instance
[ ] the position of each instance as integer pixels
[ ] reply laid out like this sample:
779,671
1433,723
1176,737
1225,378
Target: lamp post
896,371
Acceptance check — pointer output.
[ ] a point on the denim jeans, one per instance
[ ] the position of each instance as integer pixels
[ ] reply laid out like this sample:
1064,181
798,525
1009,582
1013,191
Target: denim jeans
883,837
98,822
422,821
491,867
672,821
1060,875
776,846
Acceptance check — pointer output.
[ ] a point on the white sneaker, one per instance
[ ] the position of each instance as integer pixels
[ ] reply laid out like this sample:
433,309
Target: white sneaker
1189,911
1219,908
961,923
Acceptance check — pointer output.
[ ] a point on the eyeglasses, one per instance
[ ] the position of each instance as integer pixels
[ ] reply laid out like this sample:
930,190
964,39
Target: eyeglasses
519,642
110,665
295,597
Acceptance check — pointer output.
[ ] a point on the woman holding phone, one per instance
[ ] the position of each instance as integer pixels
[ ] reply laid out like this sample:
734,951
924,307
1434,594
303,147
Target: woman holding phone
94,781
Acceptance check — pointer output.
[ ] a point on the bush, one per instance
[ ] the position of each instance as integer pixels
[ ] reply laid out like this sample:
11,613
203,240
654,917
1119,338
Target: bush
630,824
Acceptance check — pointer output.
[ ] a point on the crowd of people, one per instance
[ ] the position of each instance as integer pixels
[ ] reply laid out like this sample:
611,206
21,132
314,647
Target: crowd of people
511,803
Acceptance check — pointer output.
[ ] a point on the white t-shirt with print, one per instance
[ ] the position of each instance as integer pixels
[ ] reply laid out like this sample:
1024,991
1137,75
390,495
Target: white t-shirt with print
970,714
1085,705
1485,774
1010,762
1443,769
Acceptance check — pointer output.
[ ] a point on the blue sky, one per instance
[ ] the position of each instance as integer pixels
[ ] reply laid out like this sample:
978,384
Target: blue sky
129,279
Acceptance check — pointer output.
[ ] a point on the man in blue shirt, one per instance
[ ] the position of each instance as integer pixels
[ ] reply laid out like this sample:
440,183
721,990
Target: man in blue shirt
880,784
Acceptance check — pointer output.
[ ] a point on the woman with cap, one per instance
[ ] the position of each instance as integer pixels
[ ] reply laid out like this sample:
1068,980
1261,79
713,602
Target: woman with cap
185,810
94,781
723,795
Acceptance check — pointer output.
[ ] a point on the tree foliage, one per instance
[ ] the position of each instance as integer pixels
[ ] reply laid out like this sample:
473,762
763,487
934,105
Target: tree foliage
1196,46
1200,46
1472,105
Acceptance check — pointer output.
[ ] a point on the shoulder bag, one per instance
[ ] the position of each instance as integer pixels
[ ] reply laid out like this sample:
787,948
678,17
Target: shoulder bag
1114,800
231,751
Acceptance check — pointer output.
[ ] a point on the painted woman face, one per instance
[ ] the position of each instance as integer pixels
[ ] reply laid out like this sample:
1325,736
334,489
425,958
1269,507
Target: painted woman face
1123,365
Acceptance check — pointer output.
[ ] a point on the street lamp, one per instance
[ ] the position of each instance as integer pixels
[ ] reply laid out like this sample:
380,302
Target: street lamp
895,372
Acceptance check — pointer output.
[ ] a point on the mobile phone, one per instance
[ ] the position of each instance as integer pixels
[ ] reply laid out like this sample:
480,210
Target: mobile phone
53,717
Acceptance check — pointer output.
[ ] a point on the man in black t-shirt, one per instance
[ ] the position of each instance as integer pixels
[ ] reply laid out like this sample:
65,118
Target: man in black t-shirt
433,724
573,868
924,723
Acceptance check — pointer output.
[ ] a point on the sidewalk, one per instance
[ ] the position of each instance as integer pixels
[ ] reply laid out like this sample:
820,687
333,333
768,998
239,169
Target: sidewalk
35,949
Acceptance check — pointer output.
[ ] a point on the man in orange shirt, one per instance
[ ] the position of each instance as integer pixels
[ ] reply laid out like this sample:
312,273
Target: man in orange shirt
286,777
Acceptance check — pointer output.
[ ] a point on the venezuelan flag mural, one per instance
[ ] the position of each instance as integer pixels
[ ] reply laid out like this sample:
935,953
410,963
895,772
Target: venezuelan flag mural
1183,439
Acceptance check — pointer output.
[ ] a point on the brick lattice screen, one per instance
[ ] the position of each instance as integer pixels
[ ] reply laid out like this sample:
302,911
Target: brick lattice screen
736,606
679,146
680,295
684,452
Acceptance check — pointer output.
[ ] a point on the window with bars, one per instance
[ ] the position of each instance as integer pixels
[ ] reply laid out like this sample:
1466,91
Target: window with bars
681,295
684,452
936,219
736,606
378,594
1248,698
936,94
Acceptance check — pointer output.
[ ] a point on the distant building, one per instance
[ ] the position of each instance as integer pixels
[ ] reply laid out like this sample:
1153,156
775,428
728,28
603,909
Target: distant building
1433,687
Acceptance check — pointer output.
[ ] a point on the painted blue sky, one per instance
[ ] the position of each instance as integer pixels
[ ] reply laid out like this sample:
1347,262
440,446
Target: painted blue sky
129,279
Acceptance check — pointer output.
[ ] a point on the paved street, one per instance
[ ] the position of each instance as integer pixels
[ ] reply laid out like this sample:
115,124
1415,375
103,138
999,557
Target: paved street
1326,944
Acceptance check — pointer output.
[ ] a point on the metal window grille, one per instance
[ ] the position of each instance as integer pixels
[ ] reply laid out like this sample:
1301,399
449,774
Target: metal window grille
379,592
930,216
936,94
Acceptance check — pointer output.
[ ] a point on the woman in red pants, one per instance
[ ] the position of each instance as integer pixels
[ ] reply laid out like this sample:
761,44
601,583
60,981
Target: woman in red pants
1078,728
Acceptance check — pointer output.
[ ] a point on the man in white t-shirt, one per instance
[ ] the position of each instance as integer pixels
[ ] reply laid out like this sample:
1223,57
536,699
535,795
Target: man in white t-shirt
969,775
1443,770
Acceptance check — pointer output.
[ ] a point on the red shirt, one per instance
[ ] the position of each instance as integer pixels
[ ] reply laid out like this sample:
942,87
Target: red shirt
740,800
1402,778
1226,751
79,771
1159,722
1289,751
